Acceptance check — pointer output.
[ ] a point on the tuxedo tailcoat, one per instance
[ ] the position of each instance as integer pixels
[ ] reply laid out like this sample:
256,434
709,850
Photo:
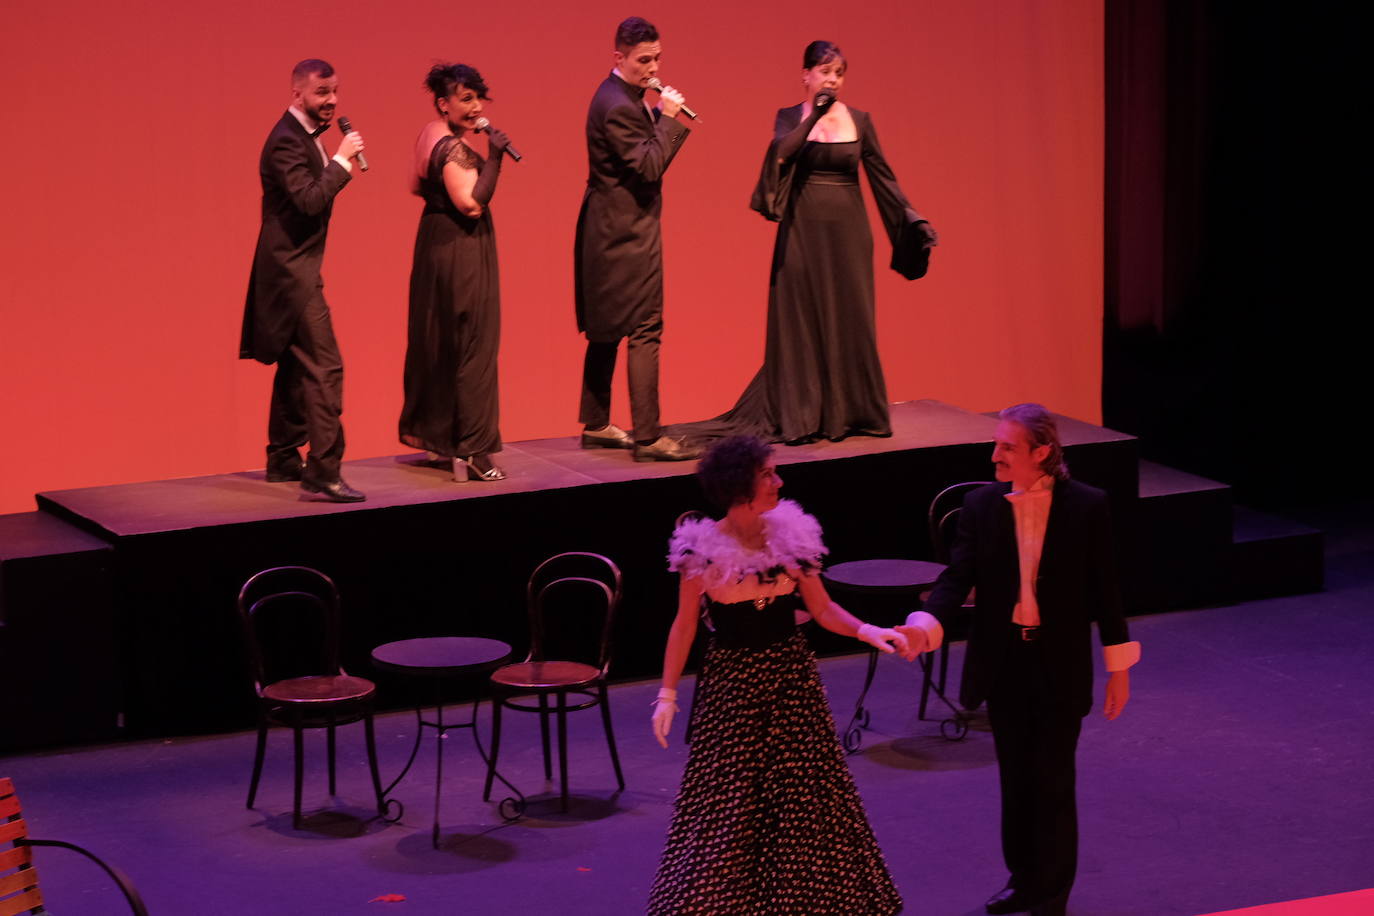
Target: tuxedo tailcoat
298,191
619,249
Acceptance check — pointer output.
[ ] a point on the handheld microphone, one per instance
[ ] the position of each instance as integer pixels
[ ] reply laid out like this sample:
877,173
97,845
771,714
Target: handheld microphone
347,127
482,124
654,83
824,99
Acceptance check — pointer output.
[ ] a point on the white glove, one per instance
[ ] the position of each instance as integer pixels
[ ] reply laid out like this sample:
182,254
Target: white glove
665,707
881,638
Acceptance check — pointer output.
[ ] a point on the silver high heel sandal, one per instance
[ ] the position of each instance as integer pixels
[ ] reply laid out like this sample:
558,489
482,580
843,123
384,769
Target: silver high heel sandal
477,467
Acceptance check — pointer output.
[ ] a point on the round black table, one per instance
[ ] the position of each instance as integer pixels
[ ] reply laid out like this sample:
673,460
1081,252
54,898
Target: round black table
882,590
440,658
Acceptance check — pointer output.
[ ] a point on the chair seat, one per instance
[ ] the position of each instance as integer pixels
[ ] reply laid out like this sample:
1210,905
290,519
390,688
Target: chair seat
324,688
884,575
546,675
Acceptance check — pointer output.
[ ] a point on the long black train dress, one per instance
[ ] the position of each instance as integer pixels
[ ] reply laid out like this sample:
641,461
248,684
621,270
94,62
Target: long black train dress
821,376
768,820
454,328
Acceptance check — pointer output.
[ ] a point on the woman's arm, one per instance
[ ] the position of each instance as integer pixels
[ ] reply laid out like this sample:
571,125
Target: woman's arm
837,620
680,637
460,181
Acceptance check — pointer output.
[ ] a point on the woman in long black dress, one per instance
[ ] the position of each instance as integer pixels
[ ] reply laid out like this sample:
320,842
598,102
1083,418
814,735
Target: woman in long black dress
767,820
821,376
454,327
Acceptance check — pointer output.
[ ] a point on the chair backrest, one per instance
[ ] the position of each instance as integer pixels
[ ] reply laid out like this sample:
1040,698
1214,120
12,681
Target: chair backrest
19,891
291,622
572,599
943,516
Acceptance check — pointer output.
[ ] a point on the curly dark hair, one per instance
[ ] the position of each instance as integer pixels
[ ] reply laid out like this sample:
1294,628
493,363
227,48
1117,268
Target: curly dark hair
634,31
444,79
821,52
730,470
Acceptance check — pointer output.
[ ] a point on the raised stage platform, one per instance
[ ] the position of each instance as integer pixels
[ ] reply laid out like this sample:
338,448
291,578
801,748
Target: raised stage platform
127,592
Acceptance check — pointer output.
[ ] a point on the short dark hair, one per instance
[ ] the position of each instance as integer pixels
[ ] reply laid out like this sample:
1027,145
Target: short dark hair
444,79
311,66
821,52
634,31
1041,429
730,470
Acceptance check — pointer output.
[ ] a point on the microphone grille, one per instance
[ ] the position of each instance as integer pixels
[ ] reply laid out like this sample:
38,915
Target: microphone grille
481,124
345,125
655,83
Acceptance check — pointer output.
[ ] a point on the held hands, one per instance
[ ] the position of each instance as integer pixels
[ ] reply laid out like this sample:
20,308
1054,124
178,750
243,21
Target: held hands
351,145
917,641
670,101
1118,692
882,639
665,707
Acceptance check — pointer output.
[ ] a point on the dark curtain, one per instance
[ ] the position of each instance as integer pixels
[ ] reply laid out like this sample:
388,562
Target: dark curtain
1234,201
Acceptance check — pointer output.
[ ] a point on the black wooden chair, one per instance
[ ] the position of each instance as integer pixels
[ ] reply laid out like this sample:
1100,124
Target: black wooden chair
19,891
291,628
571,599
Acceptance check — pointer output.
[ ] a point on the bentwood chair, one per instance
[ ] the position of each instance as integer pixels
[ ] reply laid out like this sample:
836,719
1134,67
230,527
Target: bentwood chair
942,521
19,891
571,599
291,627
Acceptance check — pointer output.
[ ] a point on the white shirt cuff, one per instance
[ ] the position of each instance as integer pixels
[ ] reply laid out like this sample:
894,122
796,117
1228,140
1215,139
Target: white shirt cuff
927,623
348,166
1121,656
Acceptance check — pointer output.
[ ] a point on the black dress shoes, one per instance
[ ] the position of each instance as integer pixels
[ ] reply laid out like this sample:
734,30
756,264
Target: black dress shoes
1007,900
336,491
611,436
666,449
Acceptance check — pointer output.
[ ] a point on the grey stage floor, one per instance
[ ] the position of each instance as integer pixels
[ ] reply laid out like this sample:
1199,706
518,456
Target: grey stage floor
1240,774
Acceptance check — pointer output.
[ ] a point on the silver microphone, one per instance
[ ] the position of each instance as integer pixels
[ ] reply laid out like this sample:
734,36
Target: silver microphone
482,124
655,84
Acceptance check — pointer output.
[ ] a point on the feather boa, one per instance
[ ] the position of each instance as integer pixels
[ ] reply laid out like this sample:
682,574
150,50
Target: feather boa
699,549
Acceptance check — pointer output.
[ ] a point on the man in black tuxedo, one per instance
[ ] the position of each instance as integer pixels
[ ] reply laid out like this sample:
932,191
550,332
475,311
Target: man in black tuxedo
619,252
1037,551
286,320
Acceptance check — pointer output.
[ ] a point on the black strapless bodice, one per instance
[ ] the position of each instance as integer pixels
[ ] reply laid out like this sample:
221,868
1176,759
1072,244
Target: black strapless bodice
744,625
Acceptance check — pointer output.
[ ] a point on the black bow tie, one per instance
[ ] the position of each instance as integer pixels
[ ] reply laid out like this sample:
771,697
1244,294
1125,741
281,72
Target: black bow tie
319,130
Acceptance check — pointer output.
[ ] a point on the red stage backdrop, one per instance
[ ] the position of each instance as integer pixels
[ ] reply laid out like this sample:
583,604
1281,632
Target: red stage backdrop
132,134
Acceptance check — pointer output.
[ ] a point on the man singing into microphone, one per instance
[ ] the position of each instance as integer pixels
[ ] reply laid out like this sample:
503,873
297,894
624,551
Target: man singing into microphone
619,251
286,320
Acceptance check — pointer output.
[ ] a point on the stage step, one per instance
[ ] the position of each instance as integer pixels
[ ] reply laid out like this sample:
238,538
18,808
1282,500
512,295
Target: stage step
1272,556
1195,547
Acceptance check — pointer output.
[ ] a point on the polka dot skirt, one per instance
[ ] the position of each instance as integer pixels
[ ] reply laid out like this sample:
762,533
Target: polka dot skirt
768,820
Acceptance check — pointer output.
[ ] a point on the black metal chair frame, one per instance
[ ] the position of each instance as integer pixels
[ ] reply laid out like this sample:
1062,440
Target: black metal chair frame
593,691
325,713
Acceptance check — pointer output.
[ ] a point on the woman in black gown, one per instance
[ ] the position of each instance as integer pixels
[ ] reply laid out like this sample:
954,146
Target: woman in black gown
768,820
454,327
821,377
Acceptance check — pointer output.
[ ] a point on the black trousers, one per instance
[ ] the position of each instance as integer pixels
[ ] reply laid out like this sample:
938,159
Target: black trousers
641,364
1036,739
307,397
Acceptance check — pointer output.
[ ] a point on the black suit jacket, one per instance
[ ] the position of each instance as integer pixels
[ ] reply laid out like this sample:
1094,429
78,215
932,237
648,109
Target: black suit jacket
298,192
1075,587
618,258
